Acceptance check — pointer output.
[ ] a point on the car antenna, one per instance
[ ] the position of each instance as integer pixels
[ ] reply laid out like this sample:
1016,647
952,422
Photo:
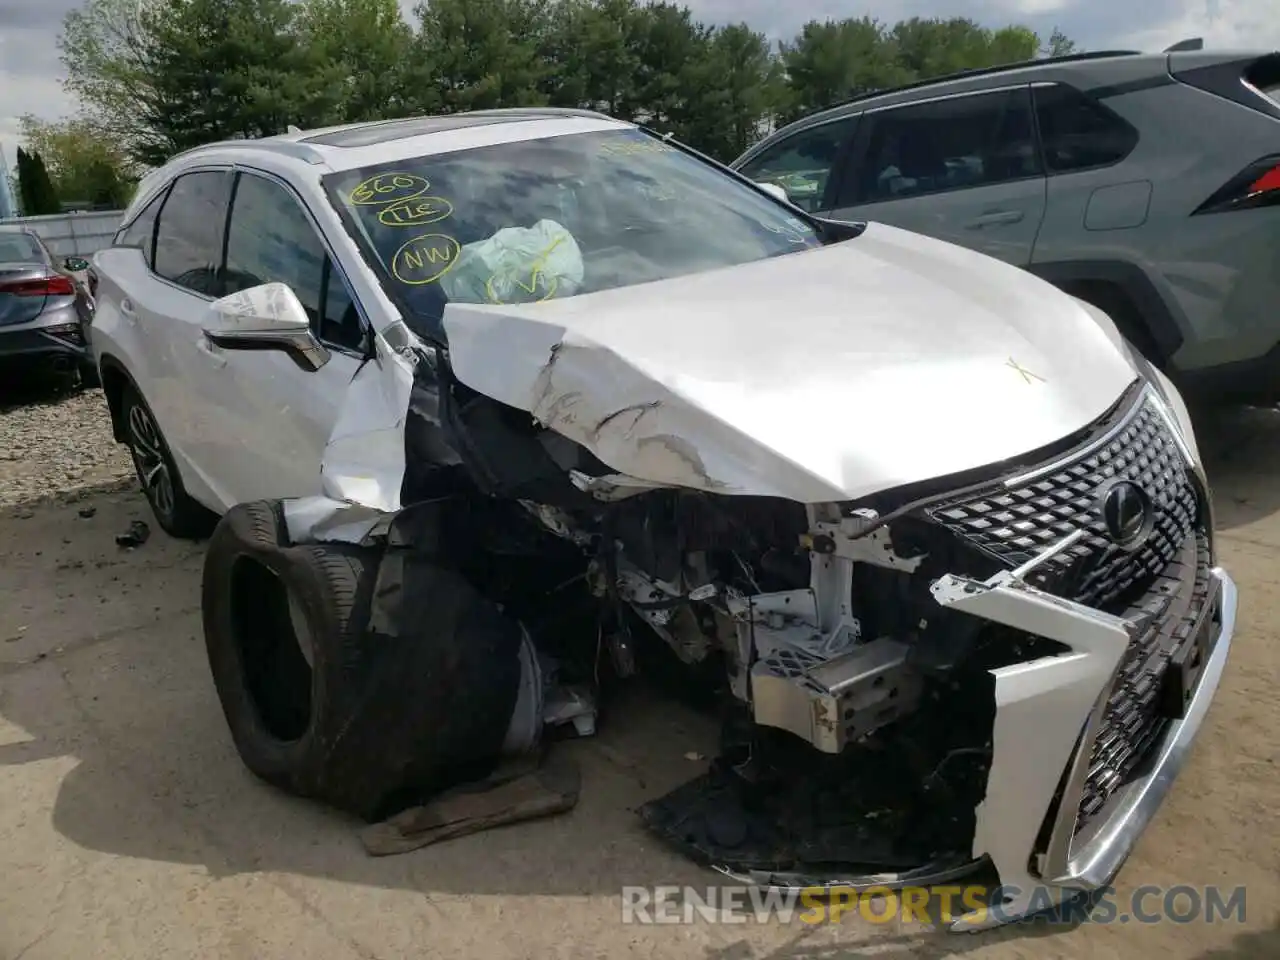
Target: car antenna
1182,46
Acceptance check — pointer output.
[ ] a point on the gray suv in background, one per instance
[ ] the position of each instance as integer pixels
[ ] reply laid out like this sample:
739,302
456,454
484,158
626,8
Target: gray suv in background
1146,184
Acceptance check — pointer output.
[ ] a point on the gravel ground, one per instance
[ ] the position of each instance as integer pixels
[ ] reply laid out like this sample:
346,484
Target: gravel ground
55,443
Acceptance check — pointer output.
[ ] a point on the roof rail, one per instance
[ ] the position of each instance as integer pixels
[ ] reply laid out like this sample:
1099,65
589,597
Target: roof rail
540,112
289,148
1195,43
987,71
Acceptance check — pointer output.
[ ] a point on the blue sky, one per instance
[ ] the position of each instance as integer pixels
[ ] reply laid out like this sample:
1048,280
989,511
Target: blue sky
30,72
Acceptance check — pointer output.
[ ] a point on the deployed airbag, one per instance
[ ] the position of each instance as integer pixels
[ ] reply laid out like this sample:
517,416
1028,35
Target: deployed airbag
517,265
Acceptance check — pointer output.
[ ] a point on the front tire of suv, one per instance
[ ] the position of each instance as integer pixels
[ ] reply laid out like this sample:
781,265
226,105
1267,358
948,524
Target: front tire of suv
177,513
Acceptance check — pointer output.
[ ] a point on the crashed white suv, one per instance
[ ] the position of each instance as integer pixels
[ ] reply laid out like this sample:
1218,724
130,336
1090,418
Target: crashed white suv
503,405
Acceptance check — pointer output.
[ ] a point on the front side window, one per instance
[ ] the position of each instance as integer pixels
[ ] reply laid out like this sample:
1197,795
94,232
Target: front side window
555,217
188,246
271,240
949,144
1077,132
339,318
802,163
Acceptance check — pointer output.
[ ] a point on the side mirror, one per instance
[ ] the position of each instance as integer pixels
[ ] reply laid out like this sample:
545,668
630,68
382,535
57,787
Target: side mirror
76,264
774,190
266,317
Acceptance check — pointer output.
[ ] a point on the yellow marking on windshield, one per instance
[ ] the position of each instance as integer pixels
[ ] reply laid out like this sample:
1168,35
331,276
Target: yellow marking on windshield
416,212
630,146
425,259
389,188
791,235
536,273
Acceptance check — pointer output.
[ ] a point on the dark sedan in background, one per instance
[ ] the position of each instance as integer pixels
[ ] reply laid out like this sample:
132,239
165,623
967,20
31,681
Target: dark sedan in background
45,310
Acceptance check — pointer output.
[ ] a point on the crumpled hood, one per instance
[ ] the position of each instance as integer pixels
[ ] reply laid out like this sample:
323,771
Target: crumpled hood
827,374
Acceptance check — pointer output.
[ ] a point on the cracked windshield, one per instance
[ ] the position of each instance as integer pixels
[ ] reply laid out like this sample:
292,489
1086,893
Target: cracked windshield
550,218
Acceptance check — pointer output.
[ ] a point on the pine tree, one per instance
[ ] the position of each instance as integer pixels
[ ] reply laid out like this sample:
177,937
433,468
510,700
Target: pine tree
45,198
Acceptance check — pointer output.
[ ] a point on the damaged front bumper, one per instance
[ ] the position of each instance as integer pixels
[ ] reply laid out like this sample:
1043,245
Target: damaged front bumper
1035,738
1049,728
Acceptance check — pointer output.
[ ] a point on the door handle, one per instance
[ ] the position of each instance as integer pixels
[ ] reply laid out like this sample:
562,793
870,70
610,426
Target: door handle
211,353
995,218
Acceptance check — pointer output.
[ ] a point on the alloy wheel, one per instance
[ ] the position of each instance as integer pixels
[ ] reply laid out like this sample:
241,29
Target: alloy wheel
149,460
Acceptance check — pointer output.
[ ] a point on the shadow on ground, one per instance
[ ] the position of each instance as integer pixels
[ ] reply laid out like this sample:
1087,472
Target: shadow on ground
31,389
1262,945
1241,451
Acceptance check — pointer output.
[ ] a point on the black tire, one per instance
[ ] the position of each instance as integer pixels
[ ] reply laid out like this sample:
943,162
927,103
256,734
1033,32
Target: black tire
89,377
177,513
373,722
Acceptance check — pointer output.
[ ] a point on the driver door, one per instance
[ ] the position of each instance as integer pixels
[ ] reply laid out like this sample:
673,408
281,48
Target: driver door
270,419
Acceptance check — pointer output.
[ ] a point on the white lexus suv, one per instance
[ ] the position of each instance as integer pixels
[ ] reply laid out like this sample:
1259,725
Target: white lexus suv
497,403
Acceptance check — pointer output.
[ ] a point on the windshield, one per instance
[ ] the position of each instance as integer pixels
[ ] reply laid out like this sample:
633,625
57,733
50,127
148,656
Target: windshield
551,218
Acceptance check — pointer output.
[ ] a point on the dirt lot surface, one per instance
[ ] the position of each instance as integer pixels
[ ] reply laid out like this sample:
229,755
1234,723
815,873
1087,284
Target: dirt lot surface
129,828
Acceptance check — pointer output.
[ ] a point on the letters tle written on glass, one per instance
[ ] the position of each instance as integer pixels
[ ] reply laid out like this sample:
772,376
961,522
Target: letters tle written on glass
415,212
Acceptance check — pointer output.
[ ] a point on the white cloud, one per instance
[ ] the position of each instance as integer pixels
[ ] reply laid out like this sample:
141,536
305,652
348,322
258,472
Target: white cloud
1232,24
30,85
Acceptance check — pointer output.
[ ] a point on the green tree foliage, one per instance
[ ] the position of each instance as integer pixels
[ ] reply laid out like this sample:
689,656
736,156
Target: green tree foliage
35,187
833,61
102,48
595,44
1058,45
85,164
370,43
223,69
163,75
742,89
481,54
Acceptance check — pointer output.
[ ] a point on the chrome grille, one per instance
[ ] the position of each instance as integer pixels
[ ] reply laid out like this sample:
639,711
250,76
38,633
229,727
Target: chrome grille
1163,584
1016,521
1131,723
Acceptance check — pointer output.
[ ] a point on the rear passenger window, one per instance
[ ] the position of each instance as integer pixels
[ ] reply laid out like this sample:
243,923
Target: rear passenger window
950,144
1077,132
188,247
802,163
141,233
271,240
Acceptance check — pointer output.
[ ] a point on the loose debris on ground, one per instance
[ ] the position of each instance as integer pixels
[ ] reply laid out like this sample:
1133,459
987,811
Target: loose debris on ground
55,441
137,534
511,794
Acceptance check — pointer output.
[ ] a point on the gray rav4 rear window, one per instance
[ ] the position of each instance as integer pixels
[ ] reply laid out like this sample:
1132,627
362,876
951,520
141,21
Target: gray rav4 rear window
1077,132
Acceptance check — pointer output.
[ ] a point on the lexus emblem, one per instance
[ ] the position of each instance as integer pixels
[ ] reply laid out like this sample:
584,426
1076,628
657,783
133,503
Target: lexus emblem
1127,514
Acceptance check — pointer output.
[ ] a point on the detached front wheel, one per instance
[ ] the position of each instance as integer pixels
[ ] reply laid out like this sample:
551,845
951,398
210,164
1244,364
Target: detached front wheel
323,705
